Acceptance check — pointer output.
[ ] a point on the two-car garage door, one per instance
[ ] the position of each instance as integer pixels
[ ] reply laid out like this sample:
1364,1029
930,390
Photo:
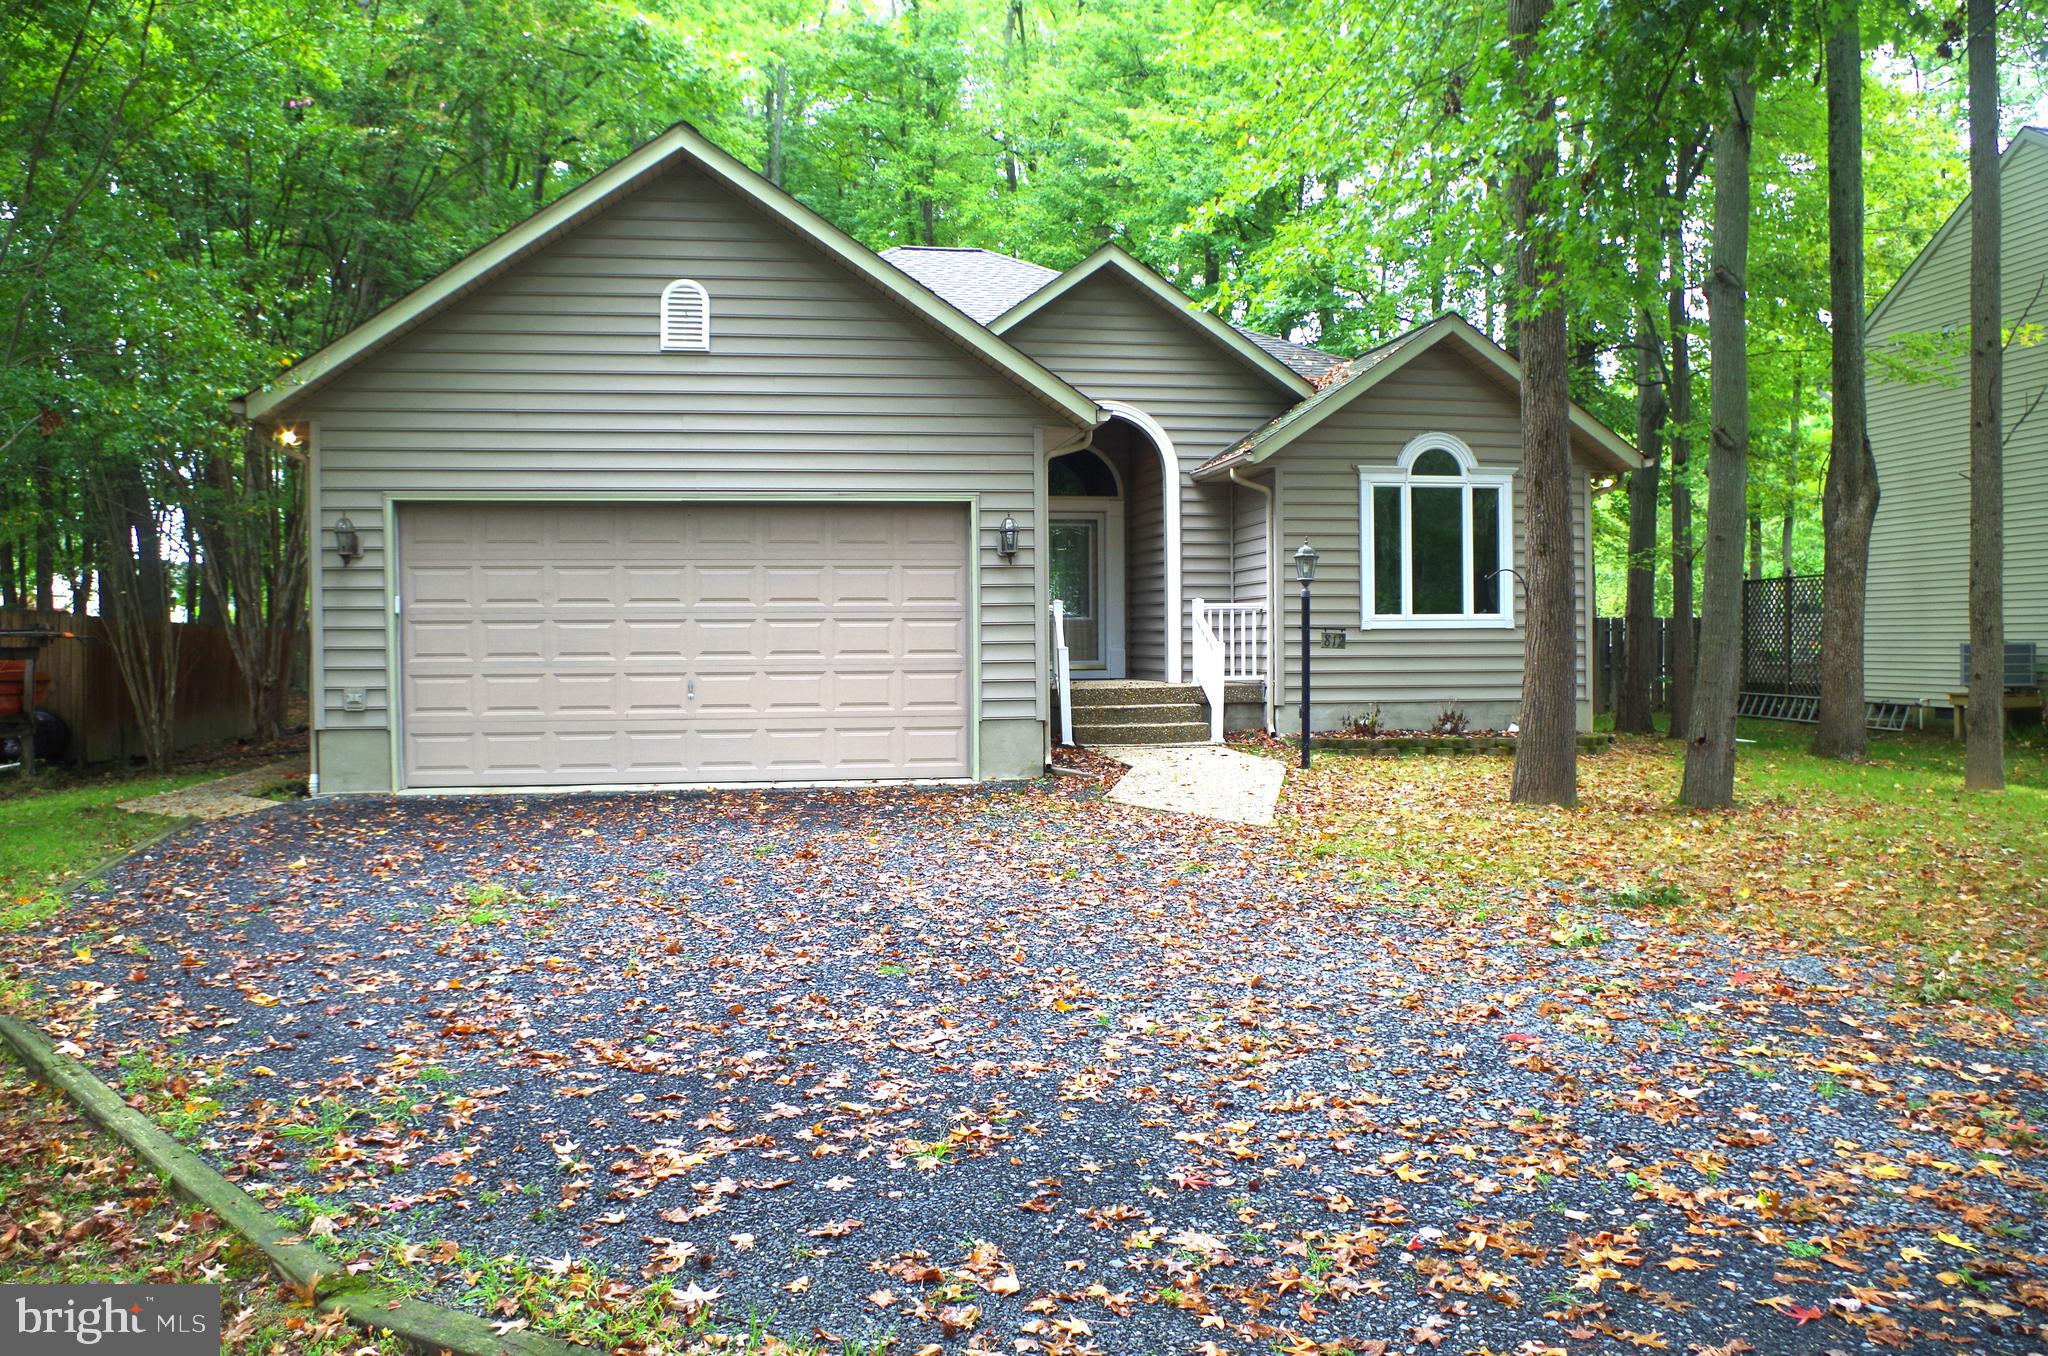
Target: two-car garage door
593,644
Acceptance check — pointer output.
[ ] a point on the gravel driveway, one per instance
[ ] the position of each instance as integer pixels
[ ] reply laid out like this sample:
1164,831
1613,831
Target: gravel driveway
1019,1069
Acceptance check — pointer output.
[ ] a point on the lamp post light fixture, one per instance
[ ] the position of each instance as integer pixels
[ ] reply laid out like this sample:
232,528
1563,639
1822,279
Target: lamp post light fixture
348,543
1006,538
1305,571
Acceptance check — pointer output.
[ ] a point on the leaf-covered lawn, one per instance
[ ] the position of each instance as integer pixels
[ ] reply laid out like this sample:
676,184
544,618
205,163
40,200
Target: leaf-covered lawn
1020,1070
76,1205
1947,890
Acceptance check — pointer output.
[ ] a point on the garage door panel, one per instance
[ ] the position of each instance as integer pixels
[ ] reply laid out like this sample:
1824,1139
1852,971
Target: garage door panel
591,643
939,587
732,584
934,638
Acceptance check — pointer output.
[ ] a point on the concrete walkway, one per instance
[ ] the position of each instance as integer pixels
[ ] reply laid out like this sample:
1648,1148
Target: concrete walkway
222,798
1213,781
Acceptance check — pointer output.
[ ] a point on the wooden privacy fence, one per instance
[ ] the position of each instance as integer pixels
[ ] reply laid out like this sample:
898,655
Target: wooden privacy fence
1610,641
1780,643
87,691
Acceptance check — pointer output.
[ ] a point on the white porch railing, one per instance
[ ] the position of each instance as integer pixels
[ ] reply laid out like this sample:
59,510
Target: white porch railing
1229,647
1062,670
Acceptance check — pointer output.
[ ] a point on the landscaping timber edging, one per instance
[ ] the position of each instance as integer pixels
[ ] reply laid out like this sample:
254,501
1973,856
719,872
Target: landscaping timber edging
311,1272
1449,744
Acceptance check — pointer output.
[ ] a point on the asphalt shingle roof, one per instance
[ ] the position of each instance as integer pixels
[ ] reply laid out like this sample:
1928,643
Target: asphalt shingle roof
1339,374
983,284
1312,363
980,283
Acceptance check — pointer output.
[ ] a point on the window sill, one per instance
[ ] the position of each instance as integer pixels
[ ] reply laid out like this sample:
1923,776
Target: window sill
1437,624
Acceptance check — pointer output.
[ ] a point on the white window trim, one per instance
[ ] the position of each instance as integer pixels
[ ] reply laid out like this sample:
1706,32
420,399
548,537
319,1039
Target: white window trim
690,292
1401,475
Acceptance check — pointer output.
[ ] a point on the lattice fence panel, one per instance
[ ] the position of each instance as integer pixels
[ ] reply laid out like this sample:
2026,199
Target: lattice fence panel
1781,635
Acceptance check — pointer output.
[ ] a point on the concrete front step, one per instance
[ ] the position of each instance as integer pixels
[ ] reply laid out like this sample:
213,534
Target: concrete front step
1132,692
1140,711
1147,732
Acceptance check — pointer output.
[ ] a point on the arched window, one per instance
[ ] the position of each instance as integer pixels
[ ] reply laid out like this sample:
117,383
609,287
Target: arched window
1080,475
1436,533
685,317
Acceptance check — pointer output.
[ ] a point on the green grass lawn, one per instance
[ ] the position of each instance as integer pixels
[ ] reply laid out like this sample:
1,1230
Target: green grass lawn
54,830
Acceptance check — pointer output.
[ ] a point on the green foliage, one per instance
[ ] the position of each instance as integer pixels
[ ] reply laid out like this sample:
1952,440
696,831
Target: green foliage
199,195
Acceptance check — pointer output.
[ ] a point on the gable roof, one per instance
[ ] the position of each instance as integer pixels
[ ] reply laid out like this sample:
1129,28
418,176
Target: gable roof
2024,138
1114,258
1312,363
981,283
680,142
984,284
1594,439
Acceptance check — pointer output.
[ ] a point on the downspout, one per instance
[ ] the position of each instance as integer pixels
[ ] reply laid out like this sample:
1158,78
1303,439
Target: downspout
1272,589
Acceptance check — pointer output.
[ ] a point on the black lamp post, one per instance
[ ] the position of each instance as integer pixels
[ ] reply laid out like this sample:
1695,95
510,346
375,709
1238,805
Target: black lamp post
1305,571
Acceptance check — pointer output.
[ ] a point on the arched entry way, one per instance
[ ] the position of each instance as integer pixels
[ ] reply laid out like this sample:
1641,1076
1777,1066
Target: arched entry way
1113,512
1084,500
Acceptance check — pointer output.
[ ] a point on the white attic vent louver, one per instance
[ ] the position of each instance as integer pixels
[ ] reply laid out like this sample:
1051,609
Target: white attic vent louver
685,317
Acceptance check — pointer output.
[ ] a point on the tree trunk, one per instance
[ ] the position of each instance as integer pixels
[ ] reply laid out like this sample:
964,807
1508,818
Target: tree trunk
135,609
1640,656
1984,753
1849,499
1756,546
81,585
1709,781
1684,659
777,111
45,536
249,515
1546,752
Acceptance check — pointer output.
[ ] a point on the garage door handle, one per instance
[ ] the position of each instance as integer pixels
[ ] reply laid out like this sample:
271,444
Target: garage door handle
690,689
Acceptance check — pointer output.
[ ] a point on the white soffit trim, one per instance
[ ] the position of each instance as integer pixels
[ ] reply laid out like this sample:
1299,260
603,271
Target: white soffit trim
596,192
1149,281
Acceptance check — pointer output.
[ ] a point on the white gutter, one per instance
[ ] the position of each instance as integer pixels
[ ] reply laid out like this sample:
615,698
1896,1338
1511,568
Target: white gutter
1272,589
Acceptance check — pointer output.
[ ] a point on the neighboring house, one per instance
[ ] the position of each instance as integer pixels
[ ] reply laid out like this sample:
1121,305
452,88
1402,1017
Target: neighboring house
1918,601
676,483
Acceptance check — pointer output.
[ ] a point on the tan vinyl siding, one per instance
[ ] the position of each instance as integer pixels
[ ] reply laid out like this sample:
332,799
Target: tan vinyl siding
1918,601
549,381
1114,342
1406,671
1144,569
1248,582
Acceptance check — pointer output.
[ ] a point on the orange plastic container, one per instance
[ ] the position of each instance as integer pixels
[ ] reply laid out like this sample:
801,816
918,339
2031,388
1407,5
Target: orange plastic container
11,673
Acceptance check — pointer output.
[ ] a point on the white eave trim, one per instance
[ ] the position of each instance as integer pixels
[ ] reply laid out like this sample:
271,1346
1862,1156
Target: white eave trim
1147,280
1624,457
649,159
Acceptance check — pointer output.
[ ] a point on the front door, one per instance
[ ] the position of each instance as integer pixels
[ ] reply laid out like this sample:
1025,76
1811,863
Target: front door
1082,574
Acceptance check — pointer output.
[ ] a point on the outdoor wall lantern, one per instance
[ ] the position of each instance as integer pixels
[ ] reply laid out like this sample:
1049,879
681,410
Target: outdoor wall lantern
348,543
1305,571
1006,538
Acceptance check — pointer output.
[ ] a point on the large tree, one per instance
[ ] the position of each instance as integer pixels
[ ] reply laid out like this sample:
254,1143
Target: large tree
1709,780
1641,654
1849,505
1984,752
1546,754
